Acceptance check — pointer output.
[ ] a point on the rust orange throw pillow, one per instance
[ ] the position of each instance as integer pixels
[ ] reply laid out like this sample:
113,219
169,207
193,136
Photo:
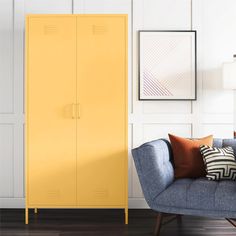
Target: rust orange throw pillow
188,161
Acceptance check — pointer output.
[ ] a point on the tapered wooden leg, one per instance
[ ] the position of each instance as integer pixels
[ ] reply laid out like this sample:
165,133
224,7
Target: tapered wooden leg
158,224
126,216
26,215
232,221
35,210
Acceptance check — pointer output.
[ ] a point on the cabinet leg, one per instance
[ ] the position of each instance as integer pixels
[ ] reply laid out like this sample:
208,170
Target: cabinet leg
26,215
35,210
126,216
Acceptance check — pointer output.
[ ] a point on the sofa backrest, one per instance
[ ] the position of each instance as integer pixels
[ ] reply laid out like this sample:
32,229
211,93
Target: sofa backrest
224,143
154,165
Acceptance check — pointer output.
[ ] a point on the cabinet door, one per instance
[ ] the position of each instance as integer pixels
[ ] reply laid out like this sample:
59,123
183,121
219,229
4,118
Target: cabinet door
51,91
102,123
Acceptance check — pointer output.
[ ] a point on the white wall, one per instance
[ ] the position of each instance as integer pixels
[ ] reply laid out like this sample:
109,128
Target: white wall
213,112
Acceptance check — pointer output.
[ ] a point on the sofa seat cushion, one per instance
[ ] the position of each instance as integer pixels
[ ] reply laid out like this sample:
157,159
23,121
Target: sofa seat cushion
199,193
226,196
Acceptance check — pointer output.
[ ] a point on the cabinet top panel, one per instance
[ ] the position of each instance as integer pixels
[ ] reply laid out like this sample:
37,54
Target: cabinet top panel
75,15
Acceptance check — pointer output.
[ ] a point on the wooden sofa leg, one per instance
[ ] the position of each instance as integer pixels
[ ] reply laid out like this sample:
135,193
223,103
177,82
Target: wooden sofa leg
158,224
232,221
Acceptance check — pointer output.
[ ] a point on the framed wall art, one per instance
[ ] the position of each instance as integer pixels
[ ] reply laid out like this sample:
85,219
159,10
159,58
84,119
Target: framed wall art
167,65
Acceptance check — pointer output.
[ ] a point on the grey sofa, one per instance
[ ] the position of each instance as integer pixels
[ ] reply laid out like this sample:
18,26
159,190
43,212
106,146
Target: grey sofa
164,194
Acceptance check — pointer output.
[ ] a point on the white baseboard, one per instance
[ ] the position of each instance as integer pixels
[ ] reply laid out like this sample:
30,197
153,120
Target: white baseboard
138,203
134,203
12,202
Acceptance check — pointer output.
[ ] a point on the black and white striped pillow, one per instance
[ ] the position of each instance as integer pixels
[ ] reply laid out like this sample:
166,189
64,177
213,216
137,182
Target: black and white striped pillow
219,162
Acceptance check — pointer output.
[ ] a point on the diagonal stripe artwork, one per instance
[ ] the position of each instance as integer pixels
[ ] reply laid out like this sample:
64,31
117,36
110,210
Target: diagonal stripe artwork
167,65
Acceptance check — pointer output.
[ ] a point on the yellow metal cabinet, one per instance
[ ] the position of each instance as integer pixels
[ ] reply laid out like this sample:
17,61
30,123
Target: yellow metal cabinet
76,111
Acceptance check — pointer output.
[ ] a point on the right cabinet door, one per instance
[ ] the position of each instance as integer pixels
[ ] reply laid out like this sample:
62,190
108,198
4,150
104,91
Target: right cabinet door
102,110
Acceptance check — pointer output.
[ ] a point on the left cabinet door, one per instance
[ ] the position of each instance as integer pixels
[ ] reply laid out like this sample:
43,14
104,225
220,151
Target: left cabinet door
50,103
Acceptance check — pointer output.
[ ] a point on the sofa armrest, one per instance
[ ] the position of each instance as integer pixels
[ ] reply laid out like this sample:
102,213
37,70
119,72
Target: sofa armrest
154,167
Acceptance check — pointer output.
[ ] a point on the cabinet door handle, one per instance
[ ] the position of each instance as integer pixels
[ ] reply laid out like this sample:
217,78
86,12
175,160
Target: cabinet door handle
78,111
73,110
